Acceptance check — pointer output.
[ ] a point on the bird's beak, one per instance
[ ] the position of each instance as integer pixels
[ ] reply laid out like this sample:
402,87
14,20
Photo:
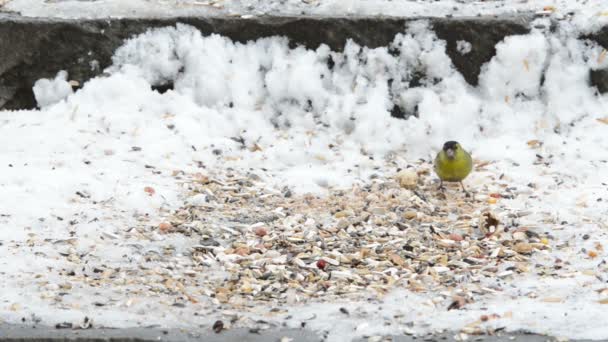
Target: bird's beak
450,153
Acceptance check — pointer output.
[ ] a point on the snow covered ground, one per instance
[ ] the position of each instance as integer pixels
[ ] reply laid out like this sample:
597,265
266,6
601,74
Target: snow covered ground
87,179
586,12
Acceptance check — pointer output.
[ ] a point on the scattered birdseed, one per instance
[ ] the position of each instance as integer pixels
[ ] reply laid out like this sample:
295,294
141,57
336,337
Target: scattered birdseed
350,243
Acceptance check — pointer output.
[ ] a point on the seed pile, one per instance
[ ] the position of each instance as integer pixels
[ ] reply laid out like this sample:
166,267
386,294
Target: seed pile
275,246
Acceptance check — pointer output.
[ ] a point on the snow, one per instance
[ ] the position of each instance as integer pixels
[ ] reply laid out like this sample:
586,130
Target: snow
463,47
585,14
48,92
75,171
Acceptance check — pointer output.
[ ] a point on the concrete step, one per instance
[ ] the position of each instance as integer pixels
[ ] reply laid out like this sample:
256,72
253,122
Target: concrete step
34,48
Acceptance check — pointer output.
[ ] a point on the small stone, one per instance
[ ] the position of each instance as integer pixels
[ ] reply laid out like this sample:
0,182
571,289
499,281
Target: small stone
396,259
321,264
331,261
86,323
481,198
407,179
165,227
378,211
410,214
552,300
455,237
65,286
504,274
64,325
218,326
457,303
341,214
298,262
342,224
520,236
260,231
372,198
441,269
242,251
448,243
523,248
341,275
198,200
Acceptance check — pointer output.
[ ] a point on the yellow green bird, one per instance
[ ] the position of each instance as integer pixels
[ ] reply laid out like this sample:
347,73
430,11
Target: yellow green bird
453,164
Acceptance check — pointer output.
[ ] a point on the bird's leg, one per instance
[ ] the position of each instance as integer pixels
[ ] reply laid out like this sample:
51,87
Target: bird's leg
441,185
465,190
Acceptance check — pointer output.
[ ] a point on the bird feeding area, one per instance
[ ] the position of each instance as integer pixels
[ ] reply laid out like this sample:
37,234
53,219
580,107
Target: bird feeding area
273,188
355,244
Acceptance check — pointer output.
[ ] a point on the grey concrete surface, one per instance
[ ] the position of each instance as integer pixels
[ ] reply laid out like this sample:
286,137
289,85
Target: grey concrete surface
14,333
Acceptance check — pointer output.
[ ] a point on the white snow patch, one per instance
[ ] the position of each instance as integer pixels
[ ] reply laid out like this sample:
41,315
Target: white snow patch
584,14
48,92
463,47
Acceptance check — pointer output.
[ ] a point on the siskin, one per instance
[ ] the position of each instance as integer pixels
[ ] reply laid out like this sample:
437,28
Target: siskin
453,164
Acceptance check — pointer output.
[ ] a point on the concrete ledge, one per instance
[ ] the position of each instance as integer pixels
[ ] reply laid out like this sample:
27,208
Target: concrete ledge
15,333
22,333
34,48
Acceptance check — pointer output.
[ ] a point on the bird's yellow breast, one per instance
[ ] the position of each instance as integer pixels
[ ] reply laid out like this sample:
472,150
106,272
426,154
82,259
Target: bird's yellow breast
455,169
